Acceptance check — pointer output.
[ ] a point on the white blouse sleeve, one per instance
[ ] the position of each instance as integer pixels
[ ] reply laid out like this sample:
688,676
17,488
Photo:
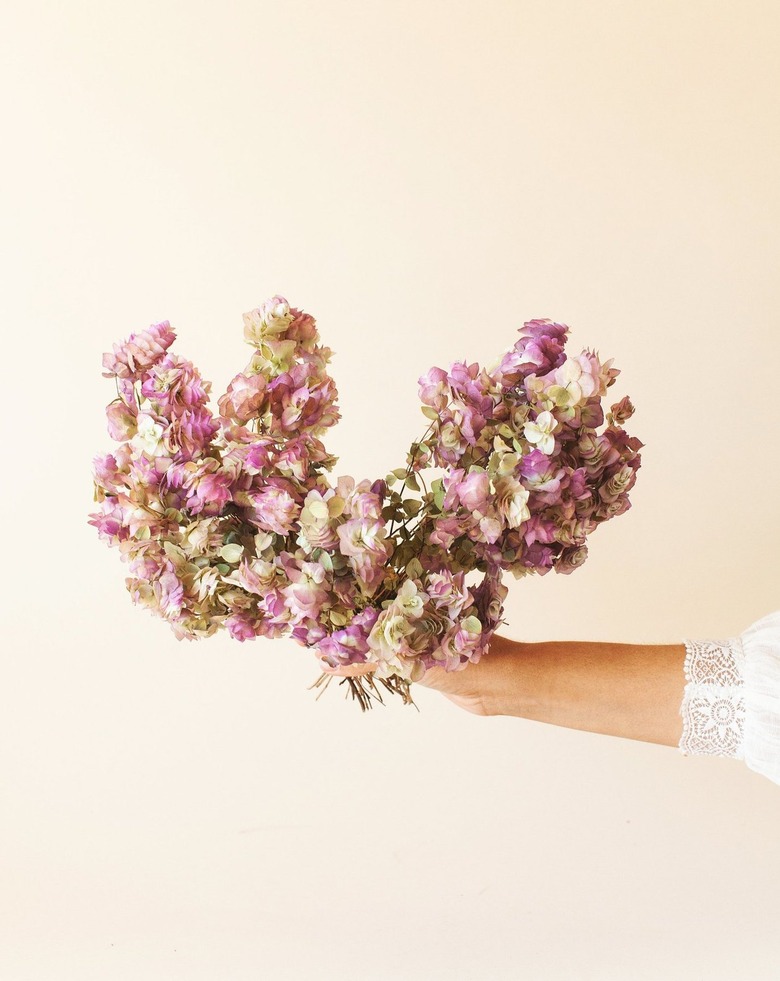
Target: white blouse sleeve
731,700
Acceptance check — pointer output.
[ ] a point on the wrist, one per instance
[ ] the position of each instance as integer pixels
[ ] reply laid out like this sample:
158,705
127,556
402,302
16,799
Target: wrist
511,686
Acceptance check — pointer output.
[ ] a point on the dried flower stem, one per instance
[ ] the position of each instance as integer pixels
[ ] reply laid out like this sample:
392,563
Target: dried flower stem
363,688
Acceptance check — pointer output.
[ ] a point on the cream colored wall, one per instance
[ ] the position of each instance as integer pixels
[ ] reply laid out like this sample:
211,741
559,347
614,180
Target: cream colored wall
422,177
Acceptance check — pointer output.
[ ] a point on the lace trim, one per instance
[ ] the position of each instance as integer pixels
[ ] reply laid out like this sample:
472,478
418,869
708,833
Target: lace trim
713,706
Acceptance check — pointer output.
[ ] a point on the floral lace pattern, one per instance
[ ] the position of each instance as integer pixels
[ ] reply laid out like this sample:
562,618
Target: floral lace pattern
713,706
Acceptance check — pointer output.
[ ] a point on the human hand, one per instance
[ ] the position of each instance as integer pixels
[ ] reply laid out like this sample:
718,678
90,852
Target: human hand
463,688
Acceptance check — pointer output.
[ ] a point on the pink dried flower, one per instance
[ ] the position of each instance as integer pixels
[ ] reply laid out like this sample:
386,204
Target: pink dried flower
447,591
273,508
121,421
538,351
139,352
434,388
308,590
268,321
622,411
302,399
473,387
109,521
320,509
242,626
175,385
108,475
489,598
296,457
302,330
571,559
473,491
229,521
170,593
245,398
210,493
190,432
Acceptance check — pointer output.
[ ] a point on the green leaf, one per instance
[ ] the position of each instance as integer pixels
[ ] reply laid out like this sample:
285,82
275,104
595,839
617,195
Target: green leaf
231,553
390,479
412,482
325,560
172,551
429,412
400,473
412,507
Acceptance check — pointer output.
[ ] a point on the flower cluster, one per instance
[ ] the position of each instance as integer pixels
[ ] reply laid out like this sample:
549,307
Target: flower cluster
230,521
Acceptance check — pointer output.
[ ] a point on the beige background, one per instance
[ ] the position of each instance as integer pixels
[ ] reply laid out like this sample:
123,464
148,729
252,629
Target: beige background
422,177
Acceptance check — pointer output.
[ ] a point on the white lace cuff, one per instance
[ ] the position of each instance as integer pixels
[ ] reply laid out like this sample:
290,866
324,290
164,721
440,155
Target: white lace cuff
713,706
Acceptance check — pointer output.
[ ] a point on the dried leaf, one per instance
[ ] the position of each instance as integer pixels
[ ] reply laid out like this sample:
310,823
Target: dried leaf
336,506
414,569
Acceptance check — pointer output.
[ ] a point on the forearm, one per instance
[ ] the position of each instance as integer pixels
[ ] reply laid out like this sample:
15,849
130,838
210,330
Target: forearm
629,690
